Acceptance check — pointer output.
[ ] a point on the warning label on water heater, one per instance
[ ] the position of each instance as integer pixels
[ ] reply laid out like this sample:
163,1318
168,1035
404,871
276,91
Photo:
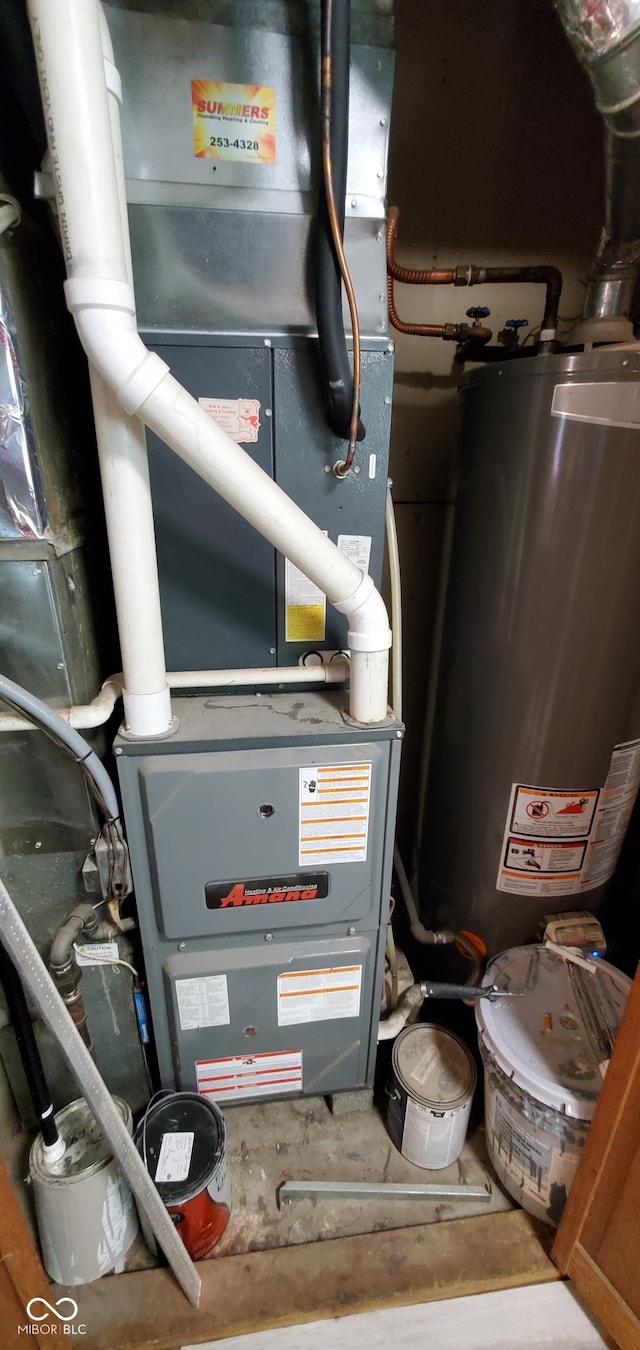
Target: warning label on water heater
561,842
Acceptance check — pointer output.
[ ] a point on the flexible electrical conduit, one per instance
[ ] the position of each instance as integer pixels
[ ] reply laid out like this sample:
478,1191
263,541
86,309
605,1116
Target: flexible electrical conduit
71,70
45,717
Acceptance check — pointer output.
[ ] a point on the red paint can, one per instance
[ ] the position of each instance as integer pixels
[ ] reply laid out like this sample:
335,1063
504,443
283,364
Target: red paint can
182,1140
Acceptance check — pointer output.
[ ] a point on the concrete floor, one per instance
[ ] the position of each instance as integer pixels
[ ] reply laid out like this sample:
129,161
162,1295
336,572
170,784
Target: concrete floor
302,1140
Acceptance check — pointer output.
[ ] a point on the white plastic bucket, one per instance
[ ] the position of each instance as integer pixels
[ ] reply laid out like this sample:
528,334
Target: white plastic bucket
545,1054
433,1078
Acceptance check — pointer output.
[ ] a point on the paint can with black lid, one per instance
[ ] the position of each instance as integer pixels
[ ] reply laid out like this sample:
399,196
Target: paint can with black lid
182,1140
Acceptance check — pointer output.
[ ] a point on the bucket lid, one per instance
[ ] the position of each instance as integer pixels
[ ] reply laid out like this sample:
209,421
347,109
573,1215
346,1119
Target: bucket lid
433,1066
182,1113
86,1150
555,1040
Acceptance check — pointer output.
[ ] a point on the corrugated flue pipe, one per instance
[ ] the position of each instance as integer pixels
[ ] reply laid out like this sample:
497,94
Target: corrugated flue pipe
605,35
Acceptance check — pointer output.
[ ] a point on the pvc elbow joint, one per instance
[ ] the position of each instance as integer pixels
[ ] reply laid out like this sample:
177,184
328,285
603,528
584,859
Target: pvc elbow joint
104,316
366,611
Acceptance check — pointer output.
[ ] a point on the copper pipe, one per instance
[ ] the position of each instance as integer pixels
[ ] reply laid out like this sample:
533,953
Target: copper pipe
541,275
411,276
462,275
343,468
451,332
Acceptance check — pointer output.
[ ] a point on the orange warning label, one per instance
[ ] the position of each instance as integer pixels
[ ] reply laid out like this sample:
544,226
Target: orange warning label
334,813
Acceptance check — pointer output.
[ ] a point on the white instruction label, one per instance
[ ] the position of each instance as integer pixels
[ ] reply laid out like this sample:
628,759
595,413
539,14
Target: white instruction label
432,1138
357,547
96,953
239,1076
617,801
203,1002
334,813
558,842
318,995
175,1157
305,606
239,417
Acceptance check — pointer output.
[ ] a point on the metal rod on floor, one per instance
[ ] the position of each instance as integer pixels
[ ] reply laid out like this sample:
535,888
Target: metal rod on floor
381,1190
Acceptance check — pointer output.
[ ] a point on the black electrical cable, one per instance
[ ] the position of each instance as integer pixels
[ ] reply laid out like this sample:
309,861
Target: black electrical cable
27,1045
331,334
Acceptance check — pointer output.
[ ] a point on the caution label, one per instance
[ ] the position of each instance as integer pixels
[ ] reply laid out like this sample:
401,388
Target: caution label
559,842
238,1076
305,606
239,417
549,813
234,122
334,813
527,856
318,995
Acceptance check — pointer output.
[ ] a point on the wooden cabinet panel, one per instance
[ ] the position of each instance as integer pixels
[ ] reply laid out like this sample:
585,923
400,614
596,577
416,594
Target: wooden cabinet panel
598,1242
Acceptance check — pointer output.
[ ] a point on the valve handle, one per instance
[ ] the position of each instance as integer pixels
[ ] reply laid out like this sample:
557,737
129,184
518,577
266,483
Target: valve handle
515,324
478,312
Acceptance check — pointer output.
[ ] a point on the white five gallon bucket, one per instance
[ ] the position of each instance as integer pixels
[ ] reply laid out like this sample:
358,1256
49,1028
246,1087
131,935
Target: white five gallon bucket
87,1218
545,1054
433,1077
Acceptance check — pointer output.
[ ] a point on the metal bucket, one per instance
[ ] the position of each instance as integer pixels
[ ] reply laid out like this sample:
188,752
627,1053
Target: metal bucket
182,1139
87,1219
433,1079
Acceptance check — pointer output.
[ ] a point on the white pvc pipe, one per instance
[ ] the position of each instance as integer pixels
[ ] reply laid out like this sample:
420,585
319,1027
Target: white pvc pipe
124,471
411,999
334,673
393,555
72,80
95,714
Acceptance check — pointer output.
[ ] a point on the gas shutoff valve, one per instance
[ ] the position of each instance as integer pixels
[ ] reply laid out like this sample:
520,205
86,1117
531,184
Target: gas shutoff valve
477,313
508,335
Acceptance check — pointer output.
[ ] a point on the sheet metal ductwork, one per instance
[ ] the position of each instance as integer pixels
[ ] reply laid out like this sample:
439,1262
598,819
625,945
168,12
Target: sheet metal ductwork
605,35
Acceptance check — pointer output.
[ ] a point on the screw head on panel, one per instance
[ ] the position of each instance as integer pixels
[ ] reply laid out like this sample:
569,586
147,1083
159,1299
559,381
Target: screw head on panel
267,342
268,937
182,946
351,932
118,750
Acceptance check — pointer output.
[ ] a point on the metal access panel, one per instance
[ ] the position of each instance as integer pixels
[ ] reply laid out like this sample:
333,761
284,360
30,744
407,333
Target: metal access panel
228,600
261,839
217,574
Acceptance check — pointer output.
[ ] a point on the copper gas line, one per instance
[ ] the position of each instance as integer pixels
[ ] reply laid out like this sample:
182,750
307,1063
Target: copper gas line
342,468
463,275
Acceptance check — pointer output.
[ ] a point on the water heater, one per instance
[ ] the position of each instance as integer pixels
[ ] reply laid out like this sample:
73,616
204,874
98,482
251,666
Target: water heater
535,758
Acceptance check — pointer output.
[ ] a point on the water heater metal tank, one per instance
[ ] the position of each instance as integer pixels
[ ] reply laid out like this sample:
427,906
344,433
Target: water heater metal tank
535,758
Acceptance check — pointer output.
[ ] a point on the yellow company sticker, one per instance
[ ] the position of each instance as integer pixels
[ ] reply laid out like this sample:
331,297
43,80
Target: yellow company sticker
234,122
